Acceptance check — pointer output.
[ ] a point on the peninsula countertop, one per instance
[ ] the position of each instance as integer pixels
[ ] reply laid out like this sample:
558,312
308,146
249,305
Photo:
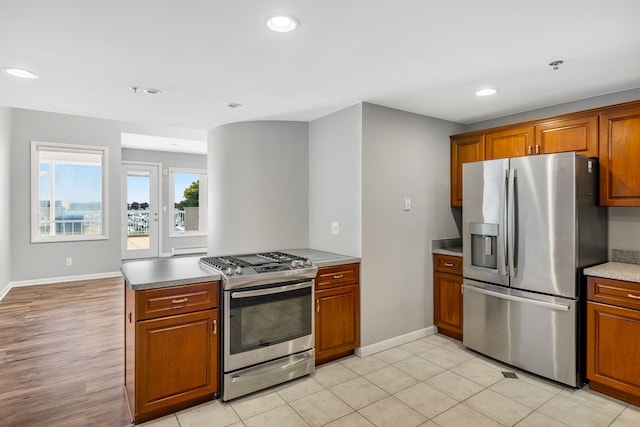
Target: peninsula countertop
175,271
166,272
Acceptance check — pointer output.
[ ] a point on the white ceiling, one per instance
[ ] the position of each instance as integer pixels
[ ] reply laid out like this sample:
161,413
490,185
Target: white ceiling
427,57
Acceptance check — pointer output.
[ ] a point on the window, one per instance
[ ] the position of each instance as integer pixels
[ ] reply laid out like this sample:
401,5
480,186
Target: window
188,189
68,192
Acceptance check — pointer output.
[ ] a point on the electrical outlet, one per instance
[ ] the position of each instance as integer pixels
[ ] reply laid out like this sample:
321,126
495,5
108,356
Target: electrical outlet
335,227
407,203
69,261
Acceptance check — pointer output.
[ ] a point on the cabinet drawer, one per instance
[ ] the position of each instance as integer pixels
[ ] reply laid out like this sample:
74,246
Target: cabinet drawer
614,292
341,275
176,300
448,264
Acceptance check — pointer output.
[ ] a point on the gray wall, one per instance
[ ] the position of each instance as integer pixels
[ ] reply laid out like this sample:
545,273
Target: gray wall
168,160
47,260
258,174
403,155
5,194
624,223
335,181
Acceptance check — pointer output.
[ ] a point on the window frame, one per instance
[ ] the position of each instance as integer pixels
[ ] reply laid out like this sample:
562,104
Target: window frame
36,147
202,201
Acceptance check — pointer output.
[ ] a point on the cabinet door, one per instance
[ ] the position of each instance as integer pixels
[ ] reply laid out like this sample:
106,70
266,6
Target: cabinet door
464,149
571,134
176,361
620,157
447,296
337,321
513,142
613,340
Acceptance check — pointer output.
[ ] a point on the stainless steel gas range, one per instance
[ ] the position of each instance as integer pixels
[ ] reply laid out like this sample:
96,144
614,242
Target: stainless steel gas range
267,319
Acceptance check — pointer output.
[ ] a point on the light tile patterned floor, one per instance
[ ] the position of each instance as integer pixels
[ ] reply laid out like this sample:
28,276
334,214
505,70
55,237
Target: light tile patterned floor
433,381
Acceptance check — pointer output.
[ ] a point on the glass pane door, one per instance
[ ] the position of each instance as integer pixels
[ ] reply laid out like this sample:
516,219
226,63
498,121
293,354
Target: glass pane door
140,214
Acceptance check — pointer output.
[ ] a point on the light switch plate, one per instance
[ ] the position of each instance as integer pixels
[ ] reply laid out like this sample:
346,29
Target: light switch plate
335,227
407,203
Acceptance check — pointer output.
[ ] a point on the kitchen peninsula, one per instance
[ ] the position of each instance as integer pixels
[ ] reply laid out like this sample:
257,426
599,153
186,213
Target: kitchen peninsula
173,329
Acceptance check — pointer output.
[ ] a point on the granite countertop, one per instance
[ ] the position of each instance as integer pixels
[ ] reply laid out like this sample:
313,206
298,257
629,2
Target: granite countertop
615,270
624,265
175,271
451,247
165,272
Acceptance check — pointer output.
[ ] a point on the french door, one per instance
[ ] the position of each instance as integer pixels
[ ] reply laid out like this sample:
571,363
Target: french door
140,210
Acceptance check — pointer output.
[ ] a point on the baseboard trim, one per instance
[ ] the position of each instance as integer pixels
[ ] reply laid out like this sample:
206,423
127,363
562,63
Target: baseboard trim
5,290
395,341
62,279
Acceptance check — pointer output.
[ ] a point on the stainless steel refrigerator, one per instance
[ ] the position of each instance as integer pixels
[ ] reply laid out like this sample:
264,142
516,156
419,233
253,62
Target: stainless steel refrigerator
530,226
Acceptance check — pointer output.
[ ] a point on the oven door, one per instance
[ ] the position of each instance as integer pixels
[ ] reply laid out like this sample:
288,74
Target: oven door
267,322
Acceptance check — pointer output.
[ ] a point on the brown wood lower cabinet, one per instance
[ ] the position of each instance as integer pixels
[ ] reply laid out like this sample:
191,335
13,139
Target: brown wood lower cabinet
337,305
613,338
447,295
171,360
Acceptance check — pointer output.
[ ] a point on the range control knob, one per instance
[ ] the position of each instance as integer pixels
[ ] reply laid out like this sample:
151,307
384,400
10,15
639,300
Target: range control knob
228,271
238,270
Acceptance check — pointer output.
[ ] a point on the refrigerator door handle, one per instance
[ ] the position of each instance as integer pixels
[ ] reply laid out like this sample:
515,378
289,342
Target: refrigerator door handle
504,269
550,305
512,239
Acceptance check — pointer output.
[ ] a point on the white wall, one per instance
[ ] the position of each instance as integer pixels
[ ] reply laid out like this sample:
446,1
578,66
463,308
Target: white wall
335,181
403,155
47,260
258,176
168,160
5,194
624,222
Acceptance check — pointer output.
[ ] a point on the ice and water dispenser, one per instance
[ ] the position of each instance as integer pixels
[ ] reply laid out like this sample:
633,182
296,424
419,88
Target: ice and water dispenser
484,241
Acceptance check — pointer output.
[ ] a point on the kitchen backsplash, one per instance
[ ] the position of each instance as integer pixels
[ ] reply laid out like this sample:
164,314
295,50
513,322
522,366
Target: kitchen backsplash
629,257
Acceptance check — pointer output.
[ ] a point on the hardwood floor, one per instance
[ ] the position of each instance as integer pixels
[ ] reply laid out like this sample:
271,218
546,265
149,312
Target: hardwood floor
61,355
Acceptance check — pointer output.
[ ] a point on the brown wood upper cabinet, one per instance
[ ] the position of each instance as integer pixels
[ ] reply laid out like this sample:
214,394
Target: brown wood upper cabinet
464,149
511,142
620,157
571,134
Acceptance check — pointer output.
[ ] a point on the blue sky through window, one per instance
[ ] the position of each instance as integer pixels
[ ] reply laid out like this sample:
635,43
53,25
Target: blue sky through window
138,187
78,183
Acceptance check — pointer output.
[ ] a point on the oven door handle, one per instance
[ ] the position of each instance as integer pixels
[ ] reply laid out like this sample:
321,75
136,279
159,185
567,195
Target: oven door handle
270,291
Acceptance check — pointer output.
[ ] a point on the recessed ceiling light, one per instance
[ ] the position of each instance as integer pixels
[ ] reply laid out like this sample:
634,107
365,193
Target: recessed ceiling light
234,105
282,23
152,91
486,92
18,72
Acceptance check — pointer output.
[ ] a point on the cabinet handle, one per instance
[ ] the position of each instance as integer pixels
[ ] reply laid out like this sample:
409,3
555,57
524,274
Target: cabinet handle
179,301
338,276
530,150
317,306
215,327
129,317
448,264
462,288
537,149
633,296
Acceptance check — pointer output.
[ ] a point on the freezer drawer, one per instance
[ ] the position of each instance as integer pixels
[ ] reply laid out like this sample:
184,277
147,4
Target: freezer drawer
536,333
